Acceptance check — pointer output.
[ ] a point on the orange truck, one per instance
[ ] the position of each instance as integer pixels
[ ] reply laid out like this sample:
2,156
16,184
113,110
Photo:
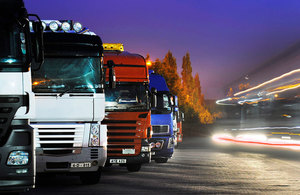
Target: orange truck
127,108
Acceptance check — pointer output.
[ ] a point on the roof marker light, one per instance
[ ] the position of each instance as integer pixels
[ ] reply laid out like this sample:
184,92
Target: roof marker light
77,26
53,26
65,26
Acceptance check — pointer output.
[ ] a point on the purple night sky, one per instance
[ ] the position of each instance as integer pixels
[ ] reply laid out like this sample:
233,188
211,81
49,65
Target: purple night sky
226,38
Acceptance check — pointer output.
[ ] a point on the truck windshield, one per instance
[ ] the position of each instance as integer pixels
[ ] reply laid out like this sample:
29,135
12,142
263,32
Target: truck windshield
163,104
127,98
12,48
68,74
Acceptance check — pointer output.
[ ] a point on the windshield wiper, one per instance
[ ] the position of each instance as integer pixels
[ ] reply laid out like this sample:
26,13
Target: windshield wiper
67,90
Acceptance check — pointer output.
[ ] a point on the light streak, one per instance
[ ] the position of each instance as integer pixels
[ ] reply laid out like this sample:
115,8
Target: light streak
268,82
286,89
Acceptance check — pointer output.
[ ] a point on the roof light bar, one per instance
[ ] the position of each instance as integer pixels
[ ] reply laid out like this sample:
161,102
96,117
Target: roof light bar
113,46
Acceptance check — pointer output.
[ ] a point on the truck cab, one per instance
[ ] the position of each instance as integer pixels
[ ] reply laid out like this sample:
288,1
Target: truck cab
163,139
69,95
17,171
127,108
178,118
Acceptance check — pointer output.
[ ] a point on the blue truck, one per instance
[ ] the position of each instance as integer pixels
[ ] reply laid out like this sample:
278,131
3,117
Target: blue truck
162,141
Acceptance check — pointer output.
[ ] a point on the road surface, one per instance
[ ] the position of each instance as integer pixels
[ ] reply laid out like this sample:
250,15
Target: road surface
198,167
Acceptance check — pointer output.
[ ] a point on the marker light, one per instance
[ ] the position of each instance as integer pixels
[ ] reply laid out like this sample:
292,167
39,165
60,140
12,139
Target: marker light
44,25
53,26
65,26
77,26
18,158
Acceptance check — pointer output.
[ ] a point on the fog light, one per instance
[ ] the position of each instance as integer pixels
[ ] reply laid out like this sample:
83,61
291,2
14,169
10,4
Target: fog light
95,163
18,158
20,171
145,149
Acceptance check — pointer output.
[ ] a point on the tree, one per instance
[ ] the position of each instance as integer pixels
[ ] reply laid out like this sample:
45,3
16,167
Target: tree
187,88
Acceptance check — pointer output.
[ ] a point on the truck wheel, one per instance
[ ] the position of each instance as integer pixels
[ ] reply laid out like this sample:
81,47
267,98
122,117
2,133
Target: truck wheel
161,160
90,178
134,167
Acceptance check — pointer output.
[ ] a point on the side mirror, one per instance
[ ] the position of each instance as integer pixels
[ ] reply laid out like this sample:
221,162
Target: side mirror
153,98
37,41
112,74
182,116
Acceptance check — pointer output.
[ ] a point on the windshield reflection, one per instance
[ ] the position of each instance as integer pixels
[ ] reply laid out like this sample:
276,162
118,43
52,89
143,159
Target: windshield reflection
163,104
126,97
72,74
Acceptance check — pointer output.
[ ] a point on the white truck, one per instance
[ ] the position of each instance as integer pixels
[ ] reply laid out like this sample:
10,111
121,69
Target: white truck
17,171
70,103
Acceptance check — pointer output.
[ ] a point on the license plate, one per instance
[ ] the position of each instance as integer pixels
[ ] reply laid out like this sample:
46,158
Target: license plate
81,165
152,153
117,161
128,151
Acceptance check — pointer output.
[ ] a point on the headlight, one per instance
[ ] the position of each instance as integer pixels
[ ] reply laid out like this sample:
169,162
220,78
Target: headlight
95,135
18,158
53,26
145,149
152,145
77,26
157,144
65,26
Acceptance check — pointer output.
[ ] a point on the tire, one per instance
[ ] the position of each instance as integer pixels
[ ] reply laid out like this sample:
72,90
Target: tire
161,160
90,178
134,167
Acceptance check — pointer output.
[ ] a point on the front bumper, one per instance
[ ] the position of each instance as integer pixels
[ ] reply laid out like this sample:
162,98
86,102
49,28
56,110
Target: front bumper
164,152
10,179
143,157
62,163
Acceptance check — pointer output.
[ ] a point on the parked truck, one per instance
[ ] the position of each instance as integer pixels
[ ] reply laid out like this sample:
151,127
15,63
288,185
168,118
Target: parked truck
69,95
178,118
17,160
127,109
163,138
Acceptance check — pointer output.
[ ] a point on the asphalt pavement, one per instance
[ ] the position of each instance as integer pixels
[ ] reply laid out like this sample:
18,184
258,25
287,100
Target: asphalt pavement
198,167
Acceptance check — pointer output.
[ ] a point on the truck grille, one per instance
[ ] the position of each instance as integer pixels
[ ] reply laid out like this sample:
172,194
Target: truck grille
58,139
121,135
160,129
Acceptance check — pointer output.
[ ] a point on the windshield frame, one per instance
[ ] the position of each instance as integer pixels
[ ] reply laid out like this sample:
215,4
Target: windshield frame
98,86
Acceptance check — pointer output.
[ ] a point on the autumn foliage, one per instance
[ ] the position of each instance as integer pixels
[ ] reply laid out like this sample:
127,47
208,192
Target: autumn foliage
186,87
